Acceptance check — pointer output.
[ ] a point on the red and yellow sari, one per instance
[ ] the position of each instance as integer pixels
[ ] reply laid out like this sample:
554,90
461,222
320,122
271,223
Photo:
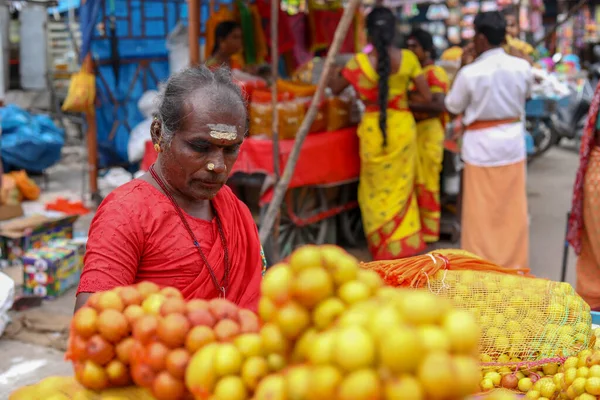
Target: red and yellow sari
430,144
584,222
386,194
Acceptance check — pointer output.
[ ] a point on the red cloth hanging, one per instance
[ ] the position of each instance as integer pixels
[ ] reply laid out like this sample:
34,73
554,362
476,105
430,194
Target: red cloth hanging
285,35
322,25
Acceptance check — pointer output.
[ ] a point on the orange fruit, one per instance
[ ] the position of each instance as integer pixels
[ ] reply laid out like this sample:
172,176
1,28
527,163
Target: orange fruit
113,325
118,374
223,309
156,356
248,321
173,305
124,348
226,329
198,337
171,292
144,328
146,288
99,350
110,301
85,322
166,387
197,304
133,313
142,375
93,376
77,348
199,317
93,301
130,296
176,362
173,329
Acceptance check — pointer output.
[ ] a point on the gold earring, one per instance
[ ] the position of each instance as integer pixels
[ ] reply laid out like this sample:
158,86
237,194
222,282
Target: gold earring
210,166
157,148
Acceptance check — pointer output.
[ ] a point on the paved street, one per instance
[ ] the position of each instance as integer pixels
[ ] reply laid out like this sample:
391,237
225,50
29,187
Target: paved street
550,181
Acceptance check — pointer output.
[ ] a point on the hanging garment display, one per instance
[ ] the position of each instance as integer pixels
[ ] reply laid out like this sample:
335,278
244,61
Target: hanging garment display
286,38
298,27
323,20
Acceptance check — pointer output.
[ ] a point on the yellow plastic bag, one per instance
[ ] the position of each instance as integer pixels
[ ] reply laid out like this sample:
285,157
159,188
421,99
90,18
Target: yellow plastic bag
82,92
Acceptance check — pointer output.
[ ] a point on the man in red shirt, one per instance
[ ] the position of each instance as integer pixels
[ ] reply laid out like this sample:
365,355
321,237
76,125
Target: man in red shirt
178,225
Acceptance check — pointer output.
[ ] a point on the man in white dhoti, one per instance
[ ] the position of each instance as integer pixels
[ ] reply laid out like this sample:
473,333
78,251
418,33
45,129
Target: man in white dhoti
491,92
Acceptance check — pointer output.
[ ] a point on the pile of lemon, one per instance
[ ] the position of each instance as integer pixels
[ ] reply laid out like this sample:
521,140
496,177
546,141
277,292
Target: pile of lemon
343,335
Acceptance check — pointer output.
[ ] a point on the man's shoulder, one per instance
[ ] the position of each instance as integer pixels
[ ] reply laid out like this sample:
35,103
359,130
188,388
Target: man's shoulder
517,63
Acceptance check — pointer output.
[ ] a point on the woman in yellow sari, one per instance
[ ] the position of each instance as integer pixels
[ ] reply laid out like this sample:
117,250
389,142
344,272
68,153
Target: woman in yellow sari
388,139
430,134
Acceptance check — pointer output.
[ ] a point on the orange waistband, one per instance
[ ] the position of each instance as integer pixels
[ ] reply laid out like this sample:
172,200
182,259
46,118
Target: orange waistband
491,123
374,108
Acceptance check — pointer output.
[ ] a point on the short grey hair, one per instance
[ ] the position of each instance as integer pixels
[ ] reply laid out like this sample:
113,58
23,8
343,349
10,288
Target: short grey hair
180,87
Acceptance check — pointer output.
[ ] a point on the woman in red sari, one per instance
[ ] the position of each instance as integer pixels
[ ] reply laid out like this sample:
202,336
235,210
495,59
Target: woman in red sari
584,222
228,46
178,225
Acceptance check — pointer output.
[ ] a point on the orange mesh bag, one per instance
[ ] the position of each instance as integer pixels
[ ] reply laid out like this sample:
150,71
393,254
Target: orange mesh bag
525,321
146,335
26,185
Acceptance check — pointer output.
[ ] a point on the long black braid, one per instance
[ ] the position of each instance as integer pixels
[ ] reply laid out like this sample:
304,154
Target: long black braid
381,26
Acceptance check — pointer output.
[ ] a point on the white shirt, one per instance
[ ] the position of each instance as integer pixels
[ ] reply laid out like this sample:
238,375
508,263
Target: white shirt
493,87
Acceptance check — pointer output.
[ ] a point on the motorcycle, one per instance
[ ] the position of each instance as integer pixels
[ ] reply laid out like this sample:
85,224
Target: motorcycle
569,122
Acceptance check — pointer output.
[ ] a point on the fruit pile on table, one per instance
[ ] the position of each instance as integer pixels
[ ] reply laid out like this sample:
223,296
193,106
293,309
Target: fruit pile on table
325,329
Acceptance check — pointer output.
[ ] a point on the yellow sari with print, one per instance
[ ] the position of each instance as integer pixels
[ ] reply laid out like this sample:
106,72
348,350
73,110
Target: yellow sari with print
386,194
430,144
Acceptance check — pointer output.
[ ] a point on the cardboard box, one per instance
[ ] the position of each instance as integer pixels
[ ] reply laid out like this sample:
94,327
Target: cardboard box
50,271
22,234
10,211
77,245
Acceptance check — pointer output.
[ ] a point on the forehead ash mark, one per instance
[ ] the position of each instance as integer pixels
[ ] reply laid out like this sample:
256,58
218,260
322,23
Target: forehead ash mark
223,131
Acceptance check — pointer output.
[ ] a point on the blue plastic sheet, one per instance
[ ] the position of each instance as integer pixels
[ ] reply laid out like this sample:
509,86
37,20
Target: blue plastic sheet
30,142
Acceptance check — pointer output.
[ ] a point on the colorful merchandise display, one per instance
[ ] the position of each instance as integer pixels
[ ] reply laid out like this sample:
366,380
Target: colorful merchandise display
50,271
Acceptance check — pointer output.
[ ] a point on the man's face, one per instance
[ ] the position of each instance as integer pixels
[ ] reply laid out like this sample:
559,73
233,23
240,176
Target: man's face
512,26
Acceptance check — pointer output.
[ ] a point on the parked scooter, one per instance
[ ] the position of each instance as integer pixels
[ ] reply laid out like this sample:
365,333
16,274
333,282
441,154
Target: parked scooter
569,122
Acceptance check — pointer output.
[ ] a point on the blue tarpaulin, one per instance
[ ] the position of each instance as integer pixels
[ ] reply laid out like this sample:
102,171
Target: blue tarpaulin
134,45
29,142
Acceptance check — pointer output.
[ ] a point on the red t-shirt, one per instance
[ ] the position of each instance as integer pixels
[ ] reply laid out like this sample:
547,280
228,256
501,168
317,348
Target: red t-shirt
136,235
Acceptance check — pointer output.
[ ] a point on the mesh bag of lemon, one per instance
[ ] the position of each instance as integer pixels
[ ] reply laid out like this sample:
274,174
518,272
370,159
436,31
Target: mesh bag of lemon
523,319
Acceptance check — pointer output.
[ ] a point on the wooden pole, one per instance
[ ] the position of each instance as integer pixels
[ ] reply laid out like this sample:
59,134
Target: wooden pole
91,136
570,13
275,112
281,187
194,30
